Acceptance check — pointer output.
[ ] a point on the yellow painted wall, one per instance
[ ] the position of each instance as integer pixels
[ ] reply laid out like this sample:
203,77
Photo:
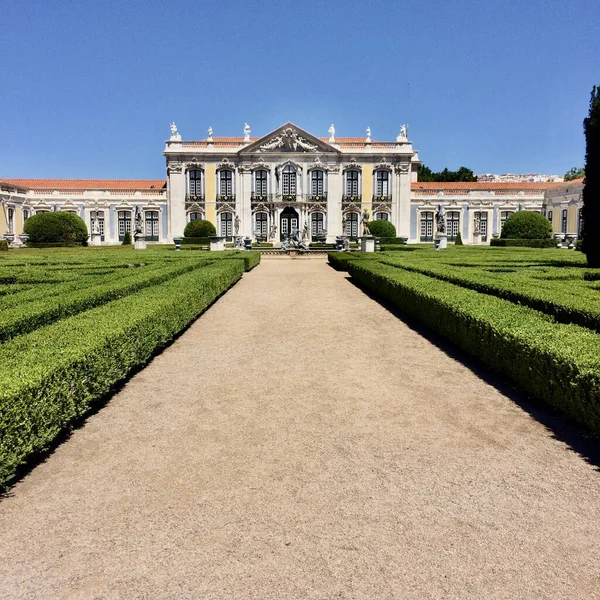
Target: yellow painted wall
2,221
367,186
18,221
210,190
572,219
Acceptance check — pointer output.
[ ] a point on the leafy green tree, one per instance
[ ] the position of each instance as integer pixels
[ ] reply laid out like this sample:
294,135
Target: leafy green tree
59,228
591,189
199,228
424,173
382,228
574,173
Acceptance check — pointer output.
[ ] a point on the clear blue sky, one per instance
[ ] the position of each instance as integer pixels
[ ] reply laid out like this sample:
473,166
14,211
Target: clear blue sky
88,88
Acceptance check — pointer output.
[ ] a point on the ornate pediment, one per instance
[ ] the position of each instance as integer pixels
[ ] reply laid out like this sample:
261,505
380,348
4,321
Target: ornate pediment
288,138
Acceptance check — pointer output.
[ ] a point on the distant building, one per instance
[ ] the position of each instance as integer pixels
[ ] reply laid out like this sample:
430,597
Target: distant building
513,177
563,207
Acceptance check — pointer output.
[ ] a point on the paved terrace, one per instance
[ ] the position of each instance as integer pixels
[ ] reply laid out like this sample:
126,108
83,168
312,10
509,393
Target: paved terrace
300,441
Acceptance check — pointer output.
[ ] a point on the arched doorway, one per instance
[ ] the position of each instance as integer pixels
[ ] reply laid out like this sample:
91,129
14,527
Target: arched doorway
288,221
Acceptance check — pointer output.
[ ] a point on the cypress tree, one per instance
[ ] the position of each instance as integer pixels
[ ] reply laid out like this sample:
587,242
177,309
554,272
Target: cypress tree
591,188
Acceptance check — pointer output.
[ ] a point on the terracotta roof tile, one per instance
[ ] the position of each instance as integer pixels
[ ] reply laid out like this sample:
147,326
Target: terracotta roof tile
88,184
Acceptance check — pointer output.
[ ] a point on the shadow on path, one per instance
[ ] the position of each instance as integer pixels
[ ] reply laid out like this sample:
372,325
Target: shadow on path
579,440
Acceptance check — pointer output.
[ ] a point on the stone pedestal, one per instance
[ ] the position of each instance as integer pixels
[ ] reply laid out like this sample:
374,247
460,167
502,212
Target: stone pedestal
217,243
95,239
13,240
367,243
476,239
177,241
139,243
441,241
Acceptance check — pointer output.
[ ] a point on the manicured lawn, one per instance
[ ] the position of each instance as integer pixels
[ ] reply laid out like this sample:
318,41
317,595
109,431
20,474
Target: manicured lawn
74,323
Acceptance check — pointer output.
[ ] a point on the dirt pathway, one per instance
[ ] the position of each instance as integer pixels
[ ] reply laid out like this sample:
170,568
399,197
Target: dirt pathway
295,443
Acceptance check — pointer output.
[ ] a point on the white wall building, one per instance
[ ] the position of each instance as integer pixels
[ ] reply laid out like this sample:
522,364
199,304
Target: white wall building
264,187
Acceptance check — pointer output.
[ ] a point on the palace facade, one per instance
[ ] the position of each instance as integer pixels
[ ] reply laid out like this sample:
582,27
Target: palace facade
265,187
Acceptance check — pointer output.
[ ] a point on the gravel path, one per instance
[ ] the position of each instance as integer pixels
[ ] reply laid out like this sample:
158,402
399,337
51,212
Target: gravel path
295,443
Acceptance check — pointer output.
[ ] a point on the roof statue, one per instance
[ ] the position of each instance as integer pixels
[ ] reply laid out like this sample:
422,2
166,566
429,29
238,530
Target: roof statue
368,138
403,135
331,132
246,132
175,136
210,132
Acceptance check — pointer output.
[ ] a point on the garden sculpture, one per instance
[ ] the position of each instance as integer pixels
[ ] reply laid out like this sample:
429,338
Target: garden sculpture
236,224
332,133
440,218
365,222
139,224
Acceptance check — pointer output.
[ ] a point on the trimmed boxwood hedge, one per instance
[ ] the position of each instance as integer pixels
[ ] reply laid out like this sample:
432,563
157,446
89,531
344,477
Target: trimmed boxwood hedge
53,376
556,363
3,245
382,228
60,228
200,241
525,243
199,228
392,240
526,225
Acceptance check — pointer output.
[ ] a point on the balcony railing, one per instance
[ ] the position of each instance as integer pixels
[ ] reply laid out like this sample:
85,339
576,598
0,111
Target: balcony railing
228,198
197,199
322,197
385,198
351,198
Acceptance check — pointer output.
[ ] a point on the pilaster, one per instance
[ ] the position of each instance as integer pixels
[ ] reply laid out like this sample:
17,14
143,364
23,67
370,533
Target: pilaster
176,192
334,205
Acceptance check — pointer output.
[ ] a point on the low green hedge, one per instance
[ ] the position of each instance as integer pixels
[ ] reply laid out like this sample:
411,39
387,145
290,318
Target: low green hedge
391,240
540,243
53,376
556,363
200,241
31,244
29,316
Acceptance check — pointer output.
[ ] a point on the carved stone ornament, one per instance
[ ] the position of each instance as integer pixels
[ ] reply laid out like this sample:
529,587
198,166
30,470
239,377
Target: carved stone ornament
384,165
225,164
175,168
402,167
317,164
289,141
352,166
245,168
260,164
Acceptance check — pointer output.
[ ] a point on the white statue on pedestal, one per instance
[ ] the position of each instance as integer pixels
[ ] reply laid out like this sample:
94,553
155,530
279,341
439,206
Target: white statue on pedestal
403,135
175,136
368,139
332,134
210,132
246,132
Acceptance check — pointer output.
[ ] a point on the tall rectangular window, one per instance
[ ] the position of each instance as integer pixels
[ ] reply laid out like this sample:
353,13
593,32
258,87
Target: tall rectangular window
227,225
352,225
260,183
483,228
426,226
195,182
11,220
580,223
452,224
124,218
564,221
383,183
503,216
352,183
261,225
151,225
288,181
226,183
317,228
100,216
317,183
